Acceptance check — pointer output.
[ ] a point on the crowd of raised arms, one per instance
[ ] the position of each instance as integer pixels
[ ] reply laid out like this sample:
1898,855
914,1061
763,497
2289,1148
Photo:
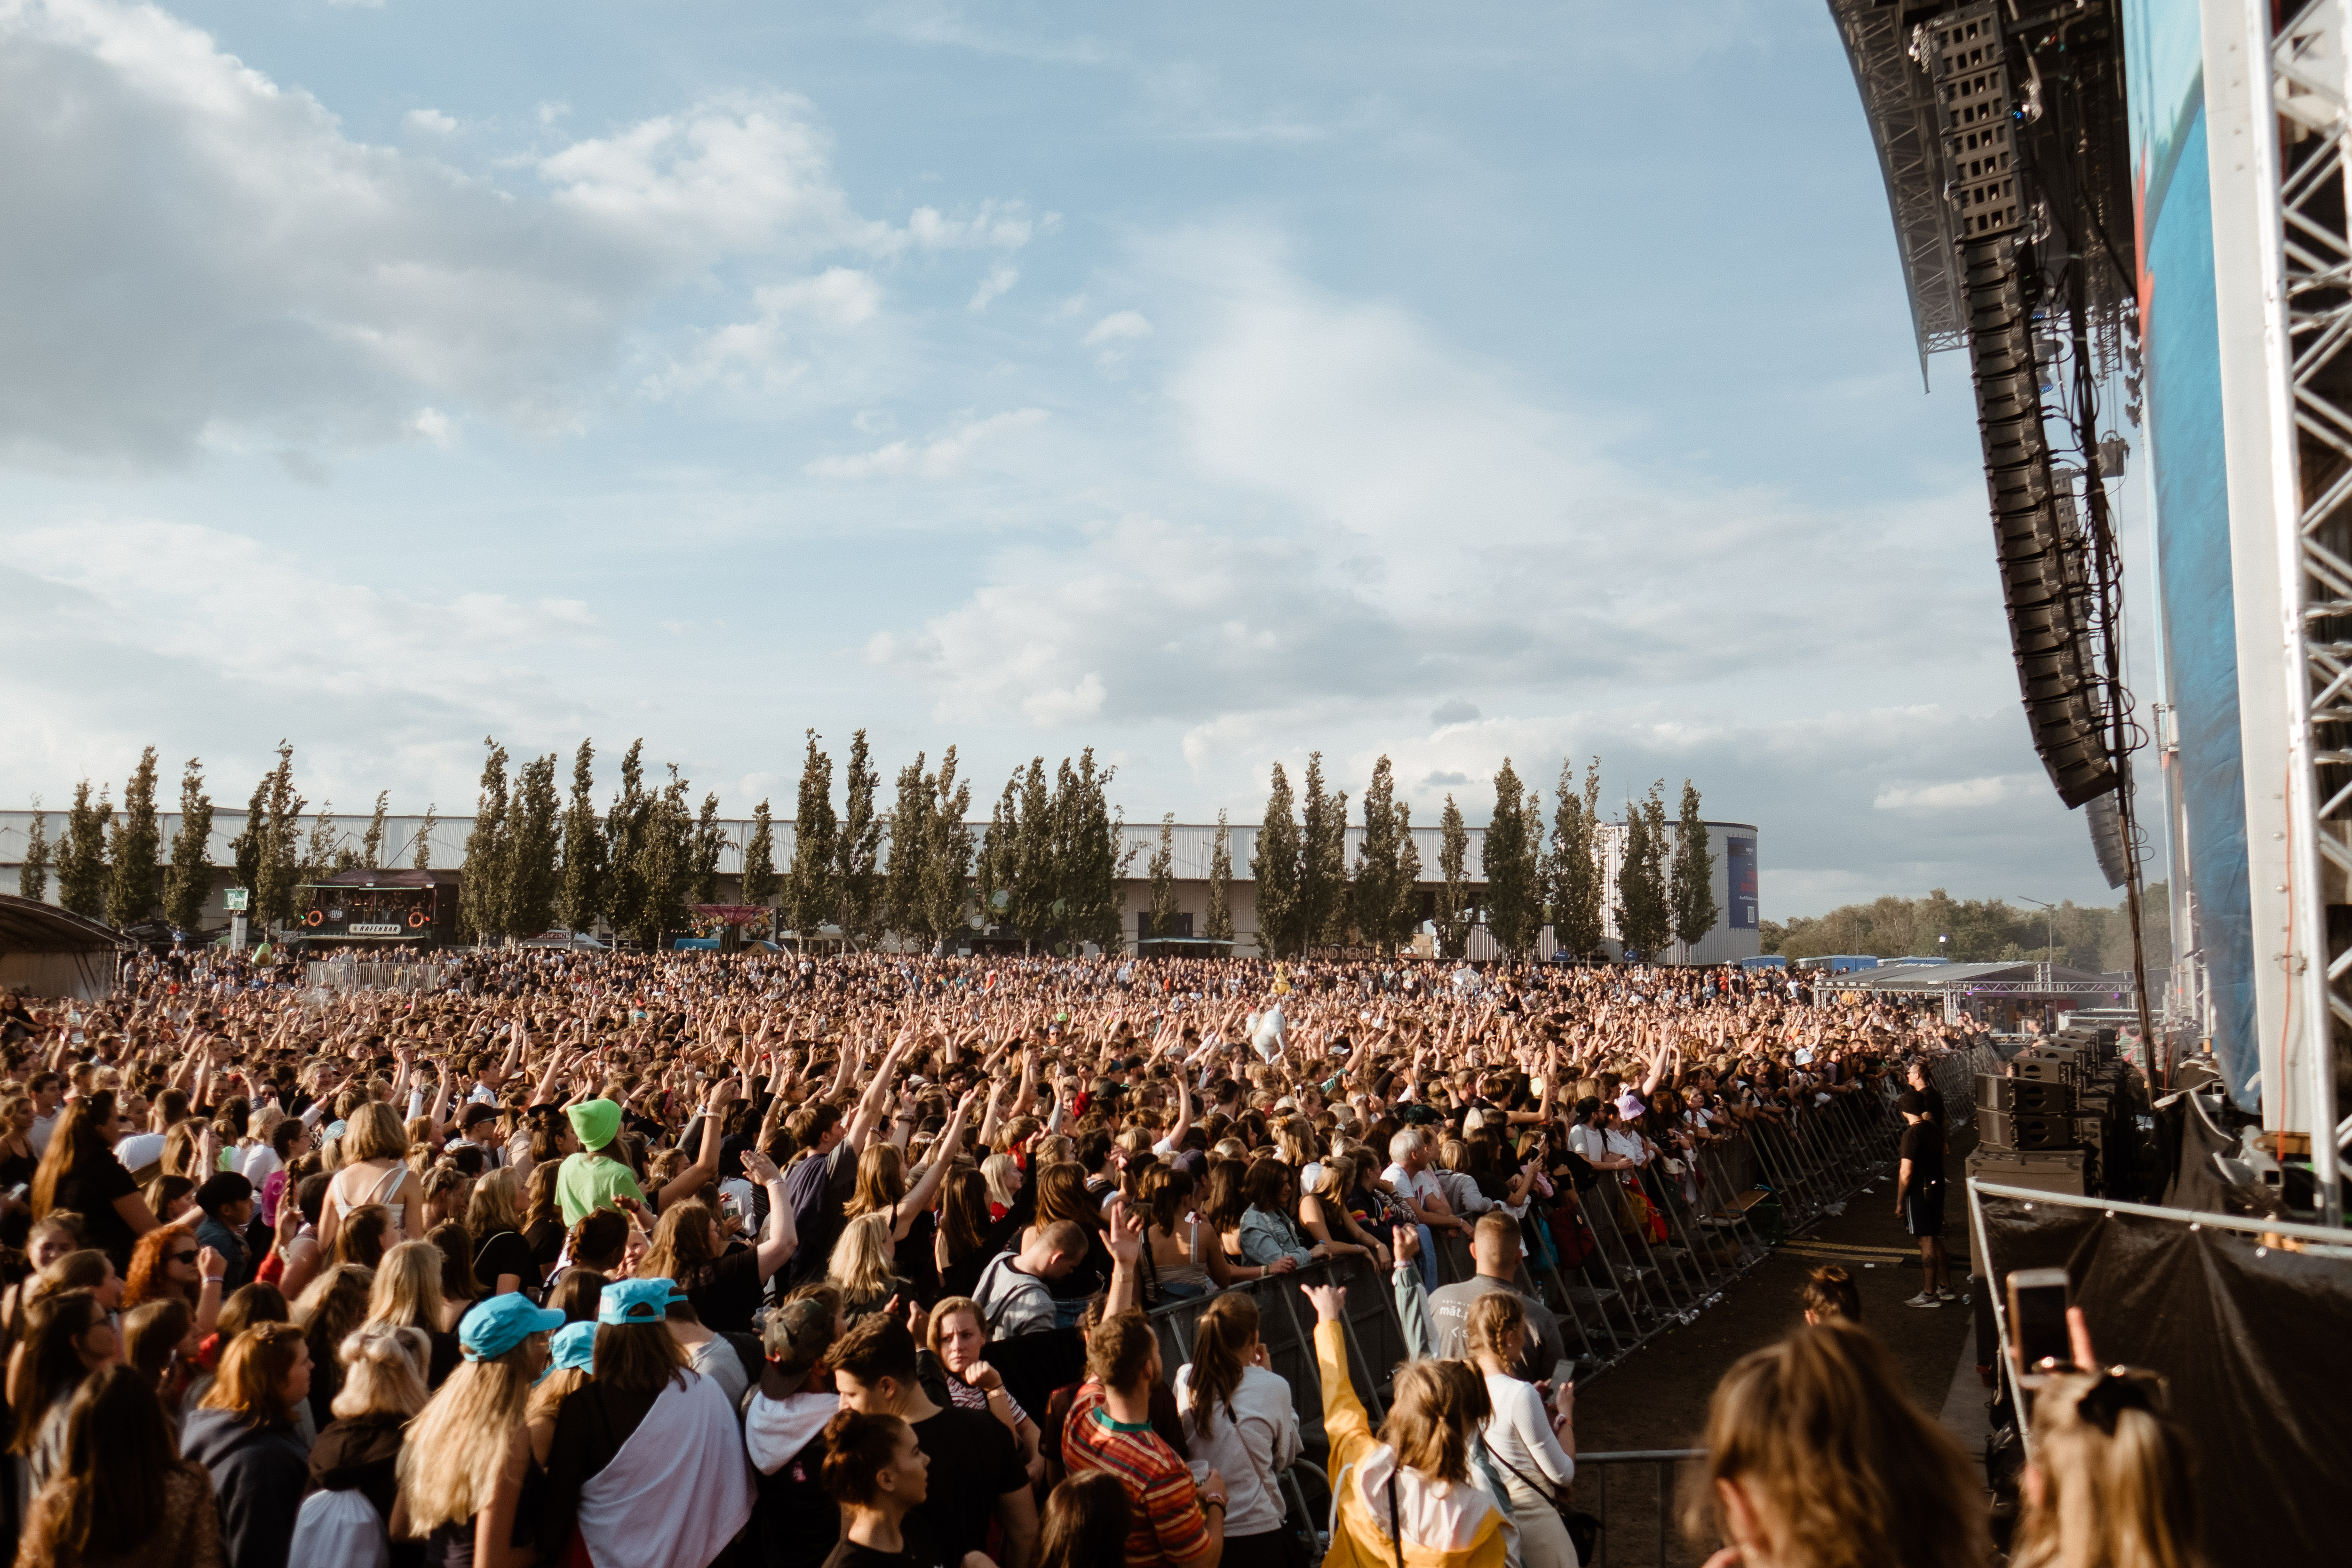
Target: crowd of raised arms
661,1262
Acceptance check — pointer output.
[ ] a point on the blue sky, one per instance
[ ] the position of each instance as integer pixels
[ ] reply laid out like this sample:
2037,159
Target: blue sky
1205,385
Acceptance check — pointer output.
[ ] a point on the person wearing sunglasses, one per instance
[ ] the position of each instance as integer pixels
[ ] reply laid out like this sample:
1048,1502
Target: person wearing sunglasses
170,1264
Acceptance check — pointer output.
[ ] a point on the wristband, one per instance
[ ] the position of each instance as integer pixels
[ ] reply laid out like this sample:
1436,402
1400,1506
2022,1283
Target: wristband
215,1279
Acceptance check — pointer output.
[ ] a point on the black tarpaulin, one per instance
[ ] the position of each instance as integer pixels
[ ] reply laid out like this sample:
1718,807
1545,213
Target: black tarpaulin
2255,1344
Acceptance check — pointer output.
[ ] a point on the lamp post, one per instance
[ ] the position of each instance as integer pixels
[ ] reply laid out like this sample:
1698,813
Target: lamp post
2050,924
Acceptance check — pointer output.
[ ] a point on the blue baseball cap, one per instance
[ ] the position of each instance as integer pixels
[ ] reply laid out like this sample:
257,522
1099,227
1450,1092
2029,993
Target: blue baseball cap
496,1326
626,1301
576,1347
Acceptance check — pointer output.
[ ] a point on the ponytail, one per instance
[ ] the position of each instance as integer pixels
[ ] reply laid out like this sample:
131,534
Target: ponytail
1225,1330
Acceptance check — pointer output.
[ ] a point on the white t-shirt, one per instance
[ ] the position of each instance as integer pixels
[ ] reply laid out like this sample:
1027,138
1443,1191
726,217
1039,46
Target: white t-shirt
42,1127
1420,1189
140,1149
1587,1142
261,1162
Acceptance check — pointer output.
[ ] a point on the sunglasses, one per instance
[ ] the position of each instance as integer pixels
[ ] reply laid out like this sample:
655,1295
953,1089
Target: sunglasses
184,1256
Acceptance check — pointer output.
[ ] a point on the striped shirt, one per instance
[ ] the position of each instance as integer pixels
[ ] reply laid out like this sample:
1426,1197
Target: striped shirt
1170,1526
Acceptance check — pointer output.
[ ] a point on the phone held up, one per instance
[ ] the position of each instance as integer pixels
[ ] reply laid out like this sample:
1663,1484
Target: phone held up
2038,1300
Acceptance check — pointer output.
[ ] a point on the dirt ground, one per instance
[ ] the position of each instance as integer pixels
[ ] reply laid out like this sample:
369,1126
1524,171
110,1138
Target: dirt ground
1657,1397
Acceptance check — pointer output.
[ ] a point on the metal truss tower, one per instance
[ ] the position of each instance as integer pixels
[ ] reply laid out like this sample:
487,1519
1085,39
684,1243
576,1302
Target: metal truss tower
2307,339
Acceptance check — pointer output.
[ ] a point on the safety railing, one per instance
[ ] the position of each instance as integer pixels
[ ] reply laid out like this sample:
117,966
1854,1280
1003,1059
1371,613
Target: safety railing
1592,1496
346,974
1614,1288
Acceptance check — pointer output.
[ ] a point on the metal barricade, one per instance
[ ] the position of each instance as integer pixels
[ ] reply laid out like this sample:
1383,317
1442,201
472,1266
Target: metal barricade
1661,1463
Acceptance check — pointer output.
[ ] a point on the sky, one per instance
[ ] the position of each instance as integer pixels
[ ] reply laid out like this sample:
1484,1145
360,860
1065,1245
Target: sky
1205,385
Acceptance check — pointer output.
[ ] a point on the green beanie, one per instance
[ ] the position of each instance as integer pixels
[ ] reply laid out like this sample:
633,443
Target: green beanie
596,1121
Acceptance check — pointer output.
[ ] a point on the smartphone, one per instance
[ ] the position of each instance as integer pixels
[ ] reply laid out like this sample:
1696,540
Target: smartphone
2038,1300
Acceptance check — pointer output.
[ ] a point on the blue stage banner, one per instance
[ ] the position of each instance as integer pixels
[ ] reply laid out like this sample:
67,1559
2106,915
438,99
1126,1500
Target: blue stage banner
1739,876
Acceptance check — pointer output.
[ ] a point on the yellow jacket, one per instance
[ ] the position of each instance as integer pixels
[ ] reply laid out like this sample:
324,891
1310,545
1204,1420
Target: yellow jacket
1359,1529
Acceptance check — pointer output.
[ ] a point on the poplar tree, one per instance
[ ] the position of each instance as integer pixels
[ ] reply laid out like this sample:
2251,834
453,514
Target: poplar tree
626,825
1221,884
1089,855
252,844
1572,881
1274,862
424,856
1322,861
1692,887
1454,893
909,845
947,851
82,863
1388,863
1033,869
859,847
188,885
372,842
534,838
319,856
664,863
1163,880
1511,857
1645,922
582,898
759,878
993,873
812,894
709,842
482,899
137,841
33,876
274,895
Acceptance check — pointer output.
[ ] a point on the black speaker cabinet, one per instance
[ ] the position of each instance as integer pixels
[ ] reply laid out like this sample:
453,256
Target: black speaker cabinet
2042,1066
2027,1130
1998,1092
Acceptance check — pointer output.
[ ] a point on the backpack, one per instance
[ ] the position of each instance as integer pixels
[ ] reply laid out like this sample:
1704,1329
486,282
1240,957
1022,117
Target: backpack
339,1530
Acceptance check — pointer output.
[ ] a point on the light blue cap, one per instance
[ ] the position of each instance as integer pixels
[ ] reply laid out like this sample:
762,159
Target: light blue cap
628,1301
496,1326
576,1347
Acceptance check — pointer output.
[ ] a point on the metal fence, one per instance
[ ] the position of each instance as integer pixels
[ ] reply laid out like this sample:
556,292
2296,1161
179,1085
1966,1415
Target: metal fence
341,974
1721,1217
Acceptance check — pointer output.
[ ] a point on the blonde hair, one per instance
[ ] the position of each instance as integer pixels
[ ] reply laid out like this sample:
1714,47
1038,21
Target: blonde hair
373,1133
407,1289
1498,1325
383,1372
881,1181
1431,1415
1841,1468
456,1448
1000,1171
2121,1500
494,1204
861,1261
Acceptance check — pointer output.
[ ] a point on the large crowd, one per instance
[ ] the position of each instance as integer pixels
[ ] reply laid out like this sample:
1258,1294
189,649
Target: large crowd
847,1262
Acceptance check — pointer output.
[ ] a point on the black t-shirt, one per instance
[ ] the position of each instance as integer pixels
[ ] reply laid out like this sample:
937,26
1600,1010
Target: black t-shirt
973,1462
918,1550
1934,1100
91,1192
725,1292
507,1253
1923,1145
545,1239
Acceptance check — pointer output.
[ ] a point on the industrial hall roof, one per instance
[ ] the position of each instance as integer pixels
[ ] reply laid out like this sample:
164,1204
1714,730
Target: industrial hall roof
27,925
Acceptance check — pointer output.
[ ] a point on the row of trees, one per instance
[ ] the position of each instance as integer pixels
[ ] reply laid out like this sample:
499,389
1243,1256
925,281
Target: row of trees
1982,930
1309,896
106,858
1050,866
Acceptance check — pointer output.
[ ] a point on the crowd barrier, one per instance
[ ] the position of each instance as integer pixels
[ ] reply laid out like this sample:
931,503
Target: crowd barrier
349,974
1721,1217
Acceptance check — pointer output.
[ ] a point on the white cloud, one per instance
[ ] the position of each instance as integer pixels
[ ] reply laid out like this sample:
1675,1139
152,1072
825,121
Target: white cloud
304,291
430,121
772,350
1117,326
994,287
940,458
1965,795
